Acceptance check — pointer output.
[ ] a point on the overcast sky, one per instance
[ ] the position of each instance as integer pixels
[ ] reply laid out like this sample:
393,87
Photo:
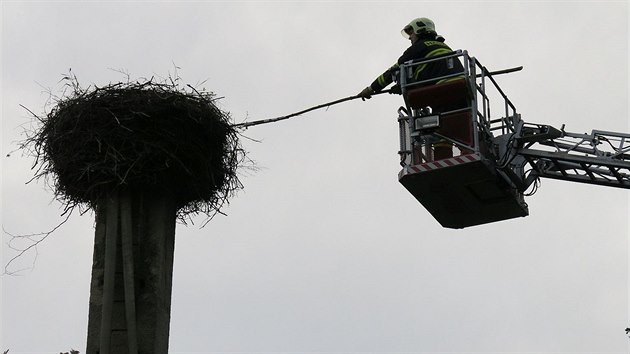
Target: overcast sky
324,251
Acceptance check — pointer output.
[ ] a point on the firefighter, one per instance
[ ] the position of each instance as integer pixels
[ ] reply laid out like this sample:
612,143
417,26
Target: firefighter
425,43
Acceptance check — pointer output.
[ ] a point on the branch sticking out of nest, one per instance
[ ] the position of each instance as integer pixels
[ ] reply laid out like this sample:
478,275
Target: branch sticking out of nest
144,136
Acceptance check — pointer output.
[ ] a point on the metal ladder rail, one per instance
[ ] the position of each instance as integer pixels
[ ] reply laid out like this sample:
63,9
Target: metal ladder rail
575,168
582,158
506,125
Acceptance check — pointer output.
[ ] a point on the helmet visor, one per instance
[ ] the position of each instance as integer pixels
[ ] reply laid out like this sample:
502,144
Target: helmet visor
407,31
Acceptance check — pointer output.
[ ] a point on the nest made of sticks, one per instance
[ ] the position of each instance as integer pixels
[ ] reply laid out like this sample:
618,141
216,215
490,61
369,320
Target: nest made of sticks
148,136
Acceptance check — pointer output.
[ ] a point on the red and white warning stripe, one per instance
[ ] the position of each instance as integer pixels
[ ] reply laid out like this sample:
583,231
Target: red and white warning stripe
453,161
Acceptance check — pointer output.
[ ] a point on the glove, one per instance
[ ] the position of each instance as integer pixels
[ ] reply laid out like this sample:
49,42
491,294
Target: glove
366,94
395,90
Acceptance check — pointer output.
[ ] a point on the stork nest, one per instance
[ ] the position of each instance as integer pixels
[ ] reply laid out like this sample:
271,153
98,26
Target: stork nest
155,137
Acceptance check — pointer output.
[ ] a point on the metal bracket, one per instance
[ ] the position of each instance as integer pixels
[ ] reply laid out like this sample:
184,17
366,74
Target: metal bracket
538,133
426,123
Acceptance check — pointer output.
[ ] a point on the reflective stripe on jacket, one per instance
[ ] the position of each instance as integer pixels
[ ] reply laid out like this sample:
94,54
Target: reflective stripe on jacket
426,47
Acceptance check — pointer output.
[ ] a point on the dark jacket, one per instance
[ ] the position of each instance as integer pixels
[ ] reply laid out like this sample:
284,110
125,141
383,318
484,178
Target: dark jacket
427,46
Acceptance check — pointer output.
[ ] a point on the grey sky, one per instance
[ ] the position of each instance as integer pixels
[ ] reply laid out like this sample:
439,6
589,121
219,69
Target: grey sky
324,251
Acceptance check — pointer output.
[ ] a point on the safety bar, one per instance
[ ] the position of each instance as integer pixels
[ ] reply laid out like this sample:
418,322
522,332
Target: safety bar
408,67
488,95
492,111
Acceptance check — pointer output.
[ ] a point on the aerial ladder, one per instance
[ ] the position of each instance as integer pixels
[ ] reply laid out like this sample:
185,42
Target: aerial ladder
469,158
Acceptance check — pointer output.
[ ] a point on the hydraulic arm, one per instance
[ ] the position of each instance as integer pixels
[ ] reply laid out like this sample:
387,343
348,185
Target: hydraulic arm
469,158
601,157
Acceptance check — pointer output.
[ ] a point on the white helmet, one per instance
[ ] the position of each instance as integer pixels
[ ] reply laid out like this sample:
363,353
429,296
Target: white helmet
418,26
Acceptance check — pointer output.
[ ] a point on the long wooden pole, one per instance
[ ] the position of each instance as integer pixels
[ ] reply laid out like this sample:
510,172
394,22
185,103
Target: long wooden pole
350,98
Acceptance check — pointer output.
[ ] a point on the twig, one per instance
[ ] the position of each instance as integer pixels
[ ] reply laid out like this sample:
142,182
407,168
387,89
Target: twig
323,105
21,252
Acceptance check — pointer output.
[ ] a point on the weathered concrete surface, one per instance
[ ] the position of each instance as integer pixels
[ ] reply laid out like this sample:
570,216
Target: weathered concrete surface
152,220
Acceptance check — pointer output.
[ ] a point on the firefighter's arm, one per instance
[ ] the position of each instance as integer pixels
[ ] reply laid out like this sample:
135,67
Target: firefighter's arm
379,83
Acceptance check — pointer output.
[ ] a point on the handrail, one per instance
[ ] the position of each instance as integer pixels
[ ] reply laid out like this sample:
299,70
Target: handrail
487,99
